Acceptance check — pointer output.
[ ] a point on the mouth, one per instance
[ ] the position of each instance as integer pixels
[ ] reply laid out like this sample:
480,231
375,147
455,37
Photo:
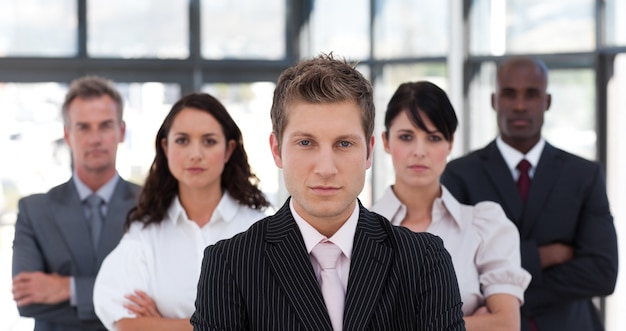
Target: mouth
97,152
520,122
325,190
195,170
417,167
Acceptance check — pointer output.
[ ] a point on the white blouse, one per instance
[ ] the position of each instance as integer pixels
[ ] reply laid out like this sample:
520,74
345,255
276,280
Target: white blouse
164,260
483,243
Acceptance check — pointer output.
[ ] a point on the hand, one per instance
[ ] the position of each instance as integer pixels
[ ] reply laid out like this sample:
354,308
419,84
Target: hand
142,305
481,311
554,254
39,287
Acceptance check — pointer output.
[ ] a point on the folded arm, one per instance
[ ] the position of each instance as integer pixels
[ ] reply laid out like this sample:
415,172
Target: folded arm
500,313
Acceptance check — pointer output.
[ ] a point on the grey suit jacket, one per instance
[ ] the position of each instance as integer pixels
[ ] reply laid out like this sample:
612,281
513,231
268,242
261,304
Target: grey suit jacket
567,203
263,279
52,236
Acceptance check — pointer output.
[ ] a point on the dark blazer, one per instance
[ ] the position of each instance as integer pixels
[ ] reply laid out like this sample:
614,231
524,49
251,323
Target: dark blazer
263,279
567,203
52,236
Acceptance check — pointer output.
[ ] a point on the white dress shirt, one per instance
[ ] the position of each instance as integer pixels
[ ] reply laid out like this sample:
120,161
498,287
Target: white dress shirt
483,243
343,238
164,260
512,156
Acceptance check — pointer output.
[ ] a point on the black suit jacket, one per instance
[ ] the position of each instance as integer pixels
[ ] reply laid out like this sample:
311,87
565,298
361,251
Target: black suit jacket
52,236
263,279
567,203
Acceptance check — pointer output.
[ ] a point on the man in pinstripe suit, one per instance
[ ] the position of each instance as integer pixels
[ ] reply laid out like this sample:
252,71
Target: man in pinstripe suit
266,277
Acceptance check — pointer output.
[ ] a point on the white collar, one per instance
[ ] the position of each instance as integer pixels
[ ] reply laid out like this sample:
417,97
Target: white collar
225,210
512,156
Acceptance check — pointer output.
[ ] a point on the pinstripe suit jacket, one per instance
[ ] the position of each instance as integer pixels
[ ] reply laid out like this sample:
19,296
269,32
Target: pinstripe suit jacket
263,279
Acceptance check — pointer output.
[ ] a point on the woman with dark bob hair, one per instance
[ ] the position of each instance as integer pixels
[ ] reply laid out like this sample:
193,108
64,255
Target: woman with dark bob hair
484,245
199,190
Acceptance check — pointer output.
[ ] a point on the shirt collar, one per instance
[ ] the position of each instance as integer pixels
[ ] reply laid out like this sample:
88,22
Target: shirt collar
447,204
225,211
105,192
389,204
343,238
512,156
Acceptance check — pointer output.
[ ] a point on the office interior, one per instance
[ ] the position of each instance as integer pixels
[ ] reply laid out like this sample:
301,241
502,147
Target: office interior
159,50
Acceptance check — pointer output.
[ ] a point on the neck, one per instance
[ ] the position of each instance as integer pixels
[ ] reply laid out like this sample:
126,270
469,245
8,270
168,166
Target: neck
95,180
522,145
326,225
199,204
419,204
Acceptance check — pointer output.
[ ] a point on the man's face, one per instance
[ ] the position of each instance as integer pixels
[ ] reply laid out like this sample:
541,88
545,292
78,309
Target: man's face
324,158
93,133
520,101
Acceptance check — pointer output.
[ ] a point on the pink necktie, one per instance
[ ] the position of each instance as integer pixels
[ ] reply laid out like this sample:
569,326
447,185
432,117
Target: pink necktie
327,255
523,182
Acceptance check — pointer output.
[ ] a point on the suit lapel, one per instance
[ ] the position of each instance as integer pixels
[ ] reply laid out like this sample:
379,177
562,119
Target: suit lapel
288,260
121,201
545,176
68,214
499,174
369,267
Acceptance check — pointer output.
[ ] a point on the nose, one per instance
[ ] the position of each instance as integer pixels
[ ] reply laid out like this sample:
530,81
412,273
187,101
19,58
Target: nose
325,165
520,103
94,137
419,148
195,151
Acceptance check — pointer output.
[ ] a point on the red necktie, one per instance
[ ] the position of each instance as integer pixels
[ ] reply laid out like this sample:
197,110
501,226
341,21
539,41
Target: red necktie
523,182
523,185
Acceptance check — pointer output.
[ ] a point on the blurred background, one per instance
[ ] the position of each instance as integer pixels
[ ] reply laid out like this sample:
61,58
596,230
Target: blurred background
159,50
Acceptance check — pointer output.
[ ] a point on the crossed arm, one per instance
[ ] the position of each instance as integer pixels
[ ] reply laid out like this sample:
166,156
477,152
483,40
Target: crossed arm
148,316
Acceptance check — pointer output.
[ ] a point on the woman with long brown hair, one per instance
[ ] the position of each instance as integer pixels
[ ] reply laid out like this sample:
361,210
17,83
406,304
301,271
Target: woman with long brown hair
200,189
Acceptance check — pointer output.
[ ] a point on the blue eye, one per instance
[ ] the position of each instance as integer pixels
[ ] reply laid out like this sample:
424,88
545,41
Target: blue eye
304,142
345,143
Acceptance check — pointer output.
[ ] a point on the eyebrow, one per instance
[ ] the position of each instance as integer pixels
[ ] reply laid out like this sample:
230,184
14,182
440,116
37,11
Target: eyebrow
204,134
99,123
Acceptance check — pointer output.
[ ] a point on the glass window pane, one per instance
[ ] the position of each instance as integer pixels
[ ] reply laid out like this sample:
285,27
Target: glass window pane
249,105
38,28
616,22
243,30
570,123
341,27
531,26
31,121
384,87
138,29
397,33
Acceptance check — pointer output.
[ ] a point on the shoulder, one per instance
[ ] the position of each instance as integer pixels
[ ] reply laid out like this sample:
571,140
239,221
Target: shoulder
54,194
133,189
409,242
487,210
251,213
387,205
34,199
572,159
489,219
471,160
251,239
